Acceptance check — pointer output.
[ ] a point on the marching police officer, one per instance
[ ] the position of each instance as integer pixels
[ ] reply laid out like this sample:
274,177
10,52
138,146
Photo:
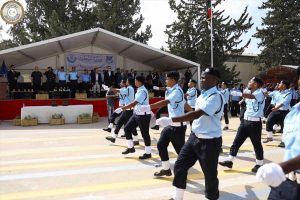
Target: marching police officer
205,140
225,93
128,94
139,119
280,110
274,174
251,126
175,132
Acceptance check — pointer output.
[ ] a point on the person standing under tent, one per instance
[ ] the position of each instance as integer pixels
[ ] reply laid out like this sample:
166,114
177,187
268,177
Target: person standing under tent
73,78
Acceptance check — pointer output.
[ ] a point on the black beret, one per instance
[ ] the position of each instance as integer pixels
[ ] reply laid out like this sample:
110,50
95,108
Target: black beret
140,78
286,83
212,71
258,80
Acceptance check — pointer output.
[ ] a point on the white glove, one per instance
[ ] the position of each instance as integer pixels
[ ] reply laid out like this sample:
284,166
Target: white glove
155,88
272,174
145,108
164,121
105,87
152,114
118,110
239,94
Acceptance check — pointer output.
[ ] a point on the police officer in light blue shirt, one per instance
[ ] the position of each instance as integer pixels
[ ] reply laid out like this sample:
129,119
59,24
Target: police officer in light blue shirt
274,174
175,132
62,77
192,93
225,93
251,126
205,140
86,81
73,77
128,93
235,98
140,119
280,110
294,94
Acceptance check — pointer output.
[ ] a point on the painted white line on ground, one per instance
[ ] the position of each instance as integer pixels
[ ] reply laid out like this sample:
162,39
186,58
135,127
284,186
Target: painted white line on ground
72,172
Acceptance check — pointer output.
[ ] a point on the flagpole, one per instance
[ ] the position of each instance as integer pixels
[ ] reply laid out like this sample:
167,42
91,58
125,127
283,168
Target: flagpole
211,40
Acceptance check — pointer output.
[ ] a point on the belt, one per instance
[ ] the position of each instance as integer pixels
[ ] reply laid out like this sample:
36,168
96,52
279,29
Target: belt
252,119
142,113
178,124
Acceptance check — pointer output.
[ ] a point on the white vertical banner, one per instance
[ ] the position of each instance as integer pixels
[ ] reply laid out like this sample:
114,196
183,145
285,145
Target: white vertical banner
90,61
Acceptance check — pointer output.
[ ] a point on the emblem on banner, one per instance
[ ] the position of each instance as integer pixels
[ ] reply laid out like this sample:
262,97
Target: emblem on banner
12,12
109,59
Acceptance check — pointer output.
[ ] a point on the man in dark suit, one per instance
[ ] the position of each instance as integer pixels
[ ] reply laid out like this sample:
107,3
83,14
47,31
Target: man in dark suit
97,79
109,78
12,77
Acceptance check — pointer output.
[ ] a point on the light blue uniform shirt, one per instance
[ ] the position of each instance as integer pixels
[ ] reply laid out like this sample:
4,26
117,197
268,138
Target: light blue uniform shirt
274,94
85,78
284,98
225,93
192,96
294,93
235,98
291,133
73,76
62,76
122,96
142,98
176,101
212,103
255,107
129,95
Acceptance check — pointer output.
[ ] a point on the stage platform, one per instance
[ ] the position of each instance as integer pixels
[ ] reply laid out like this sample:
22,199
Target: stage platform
9,109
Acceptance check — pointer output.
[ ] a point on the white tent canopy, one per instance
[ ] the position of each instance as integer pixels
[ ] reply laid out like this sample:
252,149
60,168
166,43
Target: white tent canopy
96,37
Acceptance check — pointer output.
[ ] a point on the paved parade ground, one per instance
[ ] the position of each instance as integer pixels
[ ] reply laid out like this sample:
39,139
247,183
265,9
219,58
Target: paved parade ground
75,162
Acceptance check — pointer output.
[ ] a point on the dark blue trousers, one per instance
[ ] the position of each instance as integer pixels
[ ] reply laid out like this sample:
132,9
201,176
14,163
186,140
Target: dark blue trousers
206,152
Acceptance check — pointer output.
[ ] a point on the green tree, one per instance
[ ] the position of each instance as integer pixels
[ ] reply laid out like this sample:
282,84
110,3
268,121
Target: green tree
189,35
280,35
52,18
123,18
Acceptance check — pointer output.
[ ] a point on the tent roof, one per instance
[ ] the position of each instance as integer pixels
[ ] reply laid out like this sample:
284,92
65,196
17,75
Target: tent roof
98,37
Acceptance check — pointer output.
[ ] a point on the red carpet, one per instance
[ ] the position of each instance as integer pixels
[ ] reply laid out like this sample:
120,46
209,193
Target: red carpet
9,109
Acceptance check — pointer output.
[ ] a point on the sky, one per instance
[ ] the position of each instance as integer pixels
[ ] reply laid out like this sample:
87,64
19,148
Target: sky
158,14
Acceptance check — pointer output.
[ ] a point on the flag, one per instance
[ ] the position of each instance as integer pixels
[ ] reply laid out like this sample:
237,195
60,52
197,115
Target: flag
3,69
209,10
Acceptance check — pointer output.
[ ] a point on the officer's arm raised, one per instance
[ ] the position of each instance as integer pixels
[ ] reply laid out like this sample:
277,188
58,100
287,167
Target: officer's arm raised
189,116
160,104
130,105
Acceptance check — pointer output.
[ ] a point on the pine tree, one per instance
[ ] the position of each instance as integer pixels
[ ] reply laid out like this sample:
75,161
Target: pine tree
189,35
280,35
122,17
52,18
